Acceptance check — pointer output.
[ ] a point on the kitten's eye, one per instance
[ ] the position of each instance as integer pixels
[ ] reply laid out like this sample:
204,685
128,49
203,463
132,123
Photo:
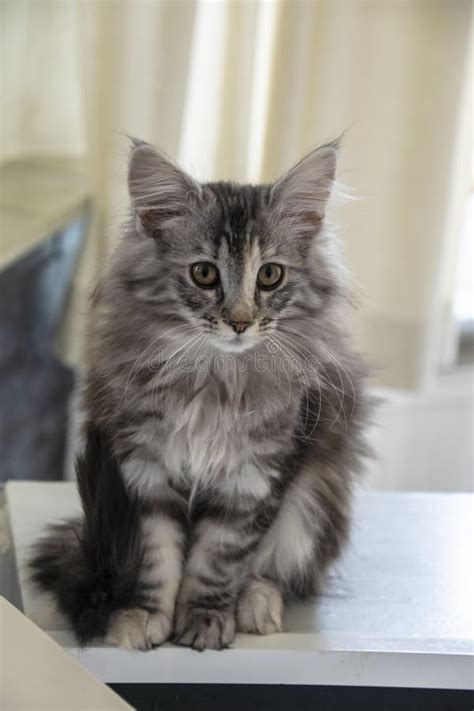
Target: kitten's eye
205,274
269,276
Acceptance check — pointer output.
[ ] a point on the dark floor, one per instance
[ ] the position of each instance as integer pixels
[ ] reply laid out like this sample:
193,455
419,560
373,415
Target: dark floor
257,697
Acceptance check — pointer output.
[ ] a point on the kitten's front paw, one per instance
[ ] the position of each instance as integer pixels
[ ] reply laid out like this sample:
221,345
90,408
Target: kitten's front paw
260,608
205,629
136,628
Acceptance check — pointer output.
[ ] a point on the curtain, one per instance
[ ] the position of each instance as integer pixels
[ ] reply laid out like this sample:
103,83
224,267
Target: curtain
241,89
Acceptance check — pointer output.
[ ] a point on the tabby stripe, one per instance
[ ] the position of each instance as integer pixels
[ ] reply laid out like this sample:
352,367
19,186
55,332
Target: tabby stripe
235,554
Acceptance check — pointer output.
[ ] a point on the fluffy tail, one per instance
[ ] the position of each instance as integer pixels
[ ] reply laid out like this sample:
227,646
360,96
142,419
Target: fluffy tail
92,565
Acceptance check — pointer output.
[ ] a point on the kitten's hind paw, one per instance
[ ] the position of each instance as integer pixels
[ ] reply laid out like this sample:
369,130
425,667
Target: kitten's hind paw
260,608
205,629
136,628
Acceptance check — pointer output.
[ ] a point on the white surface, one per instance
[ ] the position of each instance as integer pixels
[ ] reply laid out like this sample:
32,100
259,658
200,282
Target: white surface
398,611
423,439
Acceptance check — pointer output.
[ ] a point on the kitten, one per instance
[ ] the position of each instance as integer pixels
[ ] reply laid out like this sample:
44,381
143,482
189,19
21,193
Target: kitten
226,413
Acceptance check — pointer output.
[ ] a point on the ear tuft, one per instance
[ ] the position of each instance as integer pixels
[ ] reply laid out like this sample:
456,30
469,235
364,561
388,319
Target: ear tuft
302,193
158,188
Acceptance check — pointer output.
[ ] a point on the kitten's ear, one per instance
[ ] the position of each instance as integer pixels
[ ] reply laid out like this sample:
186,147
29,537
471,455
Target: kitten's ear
302,194
159,190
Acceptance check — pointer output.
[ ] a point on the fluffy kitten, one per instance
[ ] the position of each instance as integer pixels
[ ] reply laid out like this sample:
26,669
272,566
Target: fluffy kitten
225,411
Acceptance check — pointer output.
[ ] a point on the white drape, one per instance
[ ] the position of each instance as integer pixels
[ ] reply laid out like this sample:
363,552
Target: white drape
240,89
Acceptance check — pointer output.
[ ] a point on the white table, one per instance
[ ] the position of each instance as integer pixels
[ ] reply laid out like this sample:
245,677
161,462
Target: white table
398,612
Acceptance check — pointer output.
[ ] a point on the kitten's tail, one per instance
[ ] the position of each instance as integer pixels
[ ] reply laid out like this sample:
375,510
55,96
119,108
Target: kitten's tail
92,566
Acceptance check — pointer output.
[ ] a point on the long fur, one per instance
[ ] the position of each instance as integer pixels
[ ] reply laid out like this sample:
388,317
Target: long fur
212,495
91,566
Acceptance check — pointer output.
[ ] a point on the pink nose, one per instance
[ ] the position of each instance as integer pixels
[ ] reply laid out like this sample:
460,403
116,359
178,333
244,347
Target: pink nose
239,326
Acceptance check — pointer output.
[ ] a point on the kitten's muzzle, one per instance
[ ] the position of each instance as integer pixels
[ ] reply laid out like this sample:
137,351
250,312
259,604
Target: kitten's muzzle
239,326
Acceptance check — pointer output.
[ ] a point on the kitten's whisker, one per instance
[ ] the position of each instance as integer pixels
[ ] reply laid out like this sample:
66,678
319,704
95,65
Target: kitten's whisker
319,377
200,348
344,370
328,353
292,354
275,344
136,364
340,394
168,376
266,340
306,388
307,384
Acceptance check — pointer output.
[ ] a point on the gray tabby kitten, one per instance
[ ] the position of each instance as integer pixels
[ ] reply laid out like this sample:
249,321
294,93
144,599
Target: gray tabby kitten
225,397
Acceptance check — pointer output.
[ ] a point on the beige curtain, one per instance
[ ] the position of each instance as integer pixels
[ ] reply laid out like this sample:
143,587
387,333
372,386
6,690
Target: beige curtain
241,89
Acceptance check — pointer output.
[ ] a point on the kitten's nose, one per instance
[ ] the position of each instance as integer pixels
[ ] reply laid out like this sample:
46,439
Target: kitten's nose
239,326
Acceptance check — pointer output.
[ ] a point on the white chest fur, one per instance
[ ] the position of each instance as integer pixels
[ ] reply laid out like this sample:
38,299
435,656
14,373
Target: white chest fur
211,444
206,439
211,440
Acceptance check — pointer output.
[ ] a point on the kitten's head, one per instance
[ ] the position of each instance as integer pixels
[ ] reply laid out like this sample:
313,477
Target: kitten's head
237,261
